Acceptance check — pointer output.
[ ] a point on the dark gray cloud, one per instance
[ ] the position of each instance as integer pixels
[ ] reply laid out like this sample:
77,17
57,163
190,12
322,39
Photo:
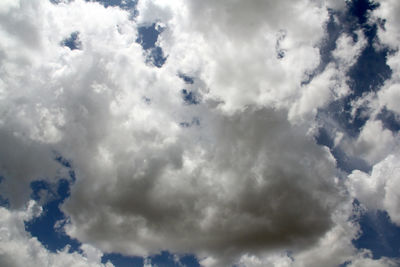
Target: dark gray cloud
256,182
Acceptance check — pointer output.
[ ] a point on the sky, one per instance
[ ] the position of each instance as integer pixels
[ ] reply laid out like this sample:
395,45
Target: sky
200,133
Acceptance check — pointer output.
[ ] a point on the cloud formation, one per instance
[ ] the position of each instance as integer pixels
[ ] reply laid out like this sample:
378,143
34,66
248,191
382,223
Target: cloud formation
17,248
233,177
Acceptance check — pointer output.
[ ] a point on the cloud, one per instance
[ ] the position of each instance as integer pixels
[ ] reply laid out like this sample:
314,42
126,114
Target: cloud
244,178
39,104
389,35
17,247
366,260
241,189
255,46
378,190
374,142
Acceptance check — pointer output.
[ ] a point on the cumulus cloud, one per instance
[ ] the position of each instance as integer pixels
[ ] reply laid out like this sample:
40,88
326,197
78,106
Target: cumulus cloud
374,142
378,190
18,248
367,261
240,188
389,35
234,177
247,51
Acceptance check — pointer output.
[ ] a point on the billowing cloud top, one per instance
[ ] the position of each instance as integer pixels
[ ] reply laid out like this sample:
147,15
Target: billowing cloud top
212,152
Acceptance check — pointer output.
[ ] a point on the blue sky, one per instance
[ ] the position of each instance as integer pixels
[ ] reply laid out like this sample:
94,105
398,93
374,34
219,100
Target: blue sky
186,133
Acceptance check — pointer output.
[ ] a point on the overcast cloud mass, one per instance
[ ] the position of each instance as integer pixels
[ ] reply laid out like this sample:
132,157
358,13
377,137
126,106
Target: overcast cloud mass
247,133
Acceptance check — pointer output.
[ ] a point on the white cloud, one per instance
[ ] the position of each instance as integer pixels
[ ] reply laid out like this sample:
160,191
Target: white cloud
379,190
237,55
389,10
389,35
374,142
248,179
18,248
347,50
365,260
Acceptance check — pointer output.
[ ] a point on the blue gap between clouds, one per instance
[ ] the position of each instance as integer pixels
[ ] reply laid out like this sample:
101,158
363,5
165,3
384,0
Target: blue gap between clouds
390,120
189,97
147,38
379,235
187,79
164,259
367,75
120,260
43,227
72,42
369,72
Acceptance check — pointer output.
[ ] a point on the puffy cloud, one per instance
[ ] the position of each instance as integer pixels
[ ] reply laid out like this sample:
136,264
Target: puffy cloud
378,190
365,259
347,50
389,35
238,188
374,143
390,97
17,247
245,178
332,249
39,107
388,10
251,53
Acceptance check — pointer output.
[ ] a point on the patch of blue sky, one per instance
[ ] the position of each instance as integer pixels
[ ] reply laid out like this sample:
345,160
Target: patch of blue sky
379,235
167,259
47,228
345,162
163,259
120,260
190,97
187,79
72,42
147,38
390,120
367,75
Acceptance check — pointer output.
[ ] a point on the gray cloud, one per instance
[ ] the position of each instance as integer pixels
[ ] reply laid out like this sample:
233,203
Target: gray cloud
256,182
242,185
